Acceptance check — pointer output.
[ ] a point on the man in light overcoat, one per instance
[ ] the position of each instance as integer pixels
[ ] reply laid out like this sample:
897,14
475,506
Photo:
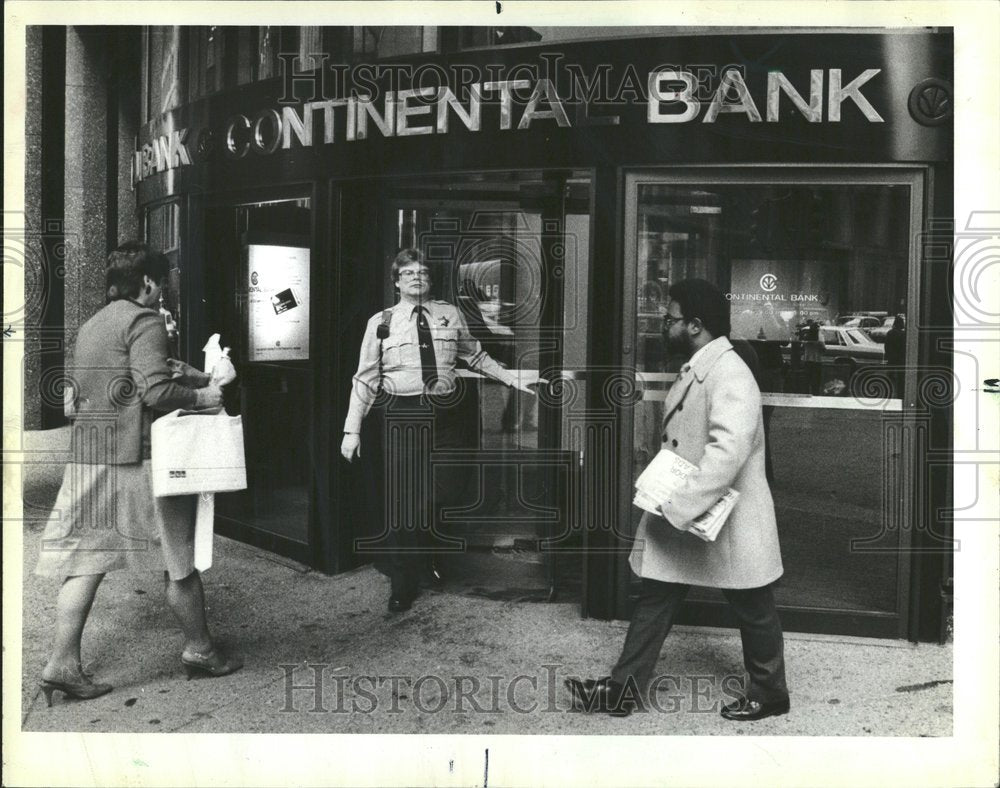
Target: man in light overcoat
712,418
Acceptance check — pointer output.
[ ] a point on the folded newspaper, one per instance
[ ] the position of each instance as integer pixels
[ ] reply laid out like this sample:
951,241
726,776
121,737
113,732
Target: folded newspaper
662,477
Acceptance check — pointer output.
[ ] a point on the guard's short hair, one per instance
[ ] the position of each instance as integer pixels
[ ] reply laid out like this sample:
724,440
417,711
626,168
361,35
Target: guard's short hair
128,264
699,298
404,258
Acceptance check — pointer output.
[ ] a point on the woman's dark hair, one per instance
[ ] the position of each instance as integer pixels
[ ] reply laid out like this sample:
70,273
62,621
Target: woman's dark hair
899,322
404,258
699,298
128,264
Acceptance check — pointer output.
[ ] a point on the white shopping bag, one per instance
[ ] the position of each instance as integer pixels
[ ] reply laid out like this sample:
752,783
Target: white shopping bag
197,453
219,366
204,531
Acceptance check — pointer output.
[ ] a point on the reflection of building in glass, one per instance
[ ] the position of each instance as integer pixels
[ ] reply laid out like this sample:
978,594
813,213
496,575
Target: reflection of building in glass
787,256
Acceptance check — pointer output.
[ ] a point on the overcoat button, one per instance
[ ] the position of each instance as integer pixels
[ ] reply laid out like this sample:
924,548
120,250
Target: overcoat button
664,437
680,407
674,441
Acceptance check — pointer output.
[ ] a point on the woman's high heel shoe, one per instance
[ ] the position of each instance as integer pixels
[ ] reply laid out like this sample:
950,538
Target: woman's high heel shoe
212,664
84,690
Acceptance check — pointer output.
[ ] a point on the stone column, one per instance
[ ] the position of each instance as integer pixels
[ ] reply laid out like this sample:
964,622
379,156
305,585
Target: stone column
86,206
32,222
82,115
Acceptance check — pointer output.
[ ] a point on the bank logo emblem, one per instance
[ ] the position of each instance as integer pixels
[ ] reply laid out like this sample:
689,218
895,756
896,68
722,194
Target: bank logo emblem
930,102
254,278
768,282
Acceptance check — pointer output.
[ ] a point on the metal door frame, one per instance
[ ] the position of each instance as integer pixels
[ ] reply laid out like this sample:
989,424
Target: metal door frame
307,552
388,203
918,181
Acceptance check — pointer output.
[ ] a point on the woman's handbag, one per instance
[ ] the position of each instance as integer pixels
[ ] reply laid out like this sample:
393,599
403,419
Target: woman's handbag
197,453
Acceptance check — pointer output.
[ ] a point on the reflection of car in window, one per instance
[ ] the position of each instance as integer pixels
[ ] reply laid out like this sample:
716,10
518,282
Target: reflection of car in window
850,343
879,334
866,321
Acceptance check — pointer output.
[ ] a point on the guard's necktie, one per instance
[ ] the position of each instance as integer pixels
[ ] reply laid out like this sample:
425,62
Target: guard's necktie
428,361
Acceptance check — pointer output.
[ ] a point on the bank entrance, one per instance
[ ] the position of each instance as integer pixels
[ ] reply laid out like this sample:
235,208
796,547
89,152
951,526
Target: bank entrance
512,251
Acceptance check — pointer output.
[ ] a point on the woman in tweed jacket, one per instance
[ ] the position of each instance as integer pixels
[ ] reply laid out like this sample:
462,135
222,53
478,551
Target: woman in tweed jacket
106,517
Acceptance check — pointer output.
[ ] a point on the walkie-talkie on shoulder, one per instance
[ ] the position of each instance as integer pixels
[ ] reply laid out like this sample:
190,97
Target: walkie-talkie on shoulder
383,328
382,332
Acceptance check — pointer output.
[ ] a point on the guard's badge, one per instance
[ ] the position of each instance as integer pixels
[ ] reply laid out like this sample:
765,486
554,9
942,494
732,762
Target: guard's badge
443,321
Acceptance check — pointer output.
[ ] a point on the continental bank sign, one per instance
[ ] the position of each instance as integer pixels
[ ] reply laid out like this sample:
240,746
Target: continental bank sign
664,96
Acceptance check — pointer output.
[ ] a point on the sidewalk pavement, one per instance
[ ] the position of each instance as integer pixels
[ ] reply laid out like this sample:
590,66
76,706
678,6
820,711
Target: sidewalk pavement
463,660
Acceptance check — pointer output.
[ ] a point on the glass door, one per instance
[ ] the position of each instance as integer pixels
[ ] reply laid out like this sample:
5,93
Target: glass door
259,270
820,272
511,250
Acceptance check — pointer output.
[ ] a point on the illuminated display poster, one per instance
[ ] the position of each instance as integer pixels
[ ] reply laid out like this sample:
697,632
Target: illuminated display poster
770,298
278,302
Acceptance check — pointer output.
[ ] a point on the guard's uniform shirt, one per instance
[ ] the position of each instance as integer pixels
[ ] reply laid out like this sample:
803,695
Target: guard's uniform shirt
402,374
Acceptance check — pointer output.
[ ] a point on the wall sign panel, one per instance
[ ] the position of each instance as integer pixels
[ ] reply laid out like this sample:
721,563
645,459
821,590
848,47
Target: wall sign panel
278,302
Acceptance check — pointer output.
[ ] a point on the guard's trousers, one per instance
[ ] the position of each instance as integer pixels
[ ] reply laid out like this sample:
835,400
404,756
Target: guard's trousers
417,490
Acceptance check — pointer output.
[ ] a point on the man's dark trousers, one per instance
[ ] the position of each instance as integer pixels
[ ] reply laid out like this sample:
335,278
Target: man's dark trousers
760,629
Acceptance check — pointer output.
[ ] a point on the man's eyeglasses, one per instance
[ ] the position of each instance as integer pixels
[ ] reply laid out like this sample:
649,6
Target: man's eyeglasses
669,320
414,274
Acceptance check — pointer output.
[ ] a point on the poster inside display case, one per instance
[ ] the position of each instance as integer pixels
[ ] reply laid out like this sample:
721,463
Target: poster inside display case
770,299
278,302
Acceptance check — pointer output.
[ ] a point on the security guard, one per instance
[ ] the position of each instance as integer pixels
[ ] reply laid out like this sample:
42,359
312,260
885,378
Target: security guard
409,353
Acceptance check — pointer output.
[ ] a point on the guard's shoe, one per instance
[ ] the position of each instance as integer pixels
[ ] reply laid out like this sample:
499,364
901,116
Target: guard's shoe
435,577
400,603
403,589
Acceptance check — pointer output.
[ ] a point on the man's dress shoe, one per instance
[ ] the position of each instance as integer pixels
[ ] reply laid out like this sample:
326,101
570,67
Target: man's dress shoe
601,696
747,710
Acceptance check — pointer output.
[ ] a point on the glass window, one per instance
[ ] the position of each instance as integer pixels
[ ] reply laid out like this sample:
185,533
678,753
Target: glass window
267,326
246,54
163,233
792,259
383,42
310,43
492,37
162,227
258,48
809,269
164,55
206,50
266,61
